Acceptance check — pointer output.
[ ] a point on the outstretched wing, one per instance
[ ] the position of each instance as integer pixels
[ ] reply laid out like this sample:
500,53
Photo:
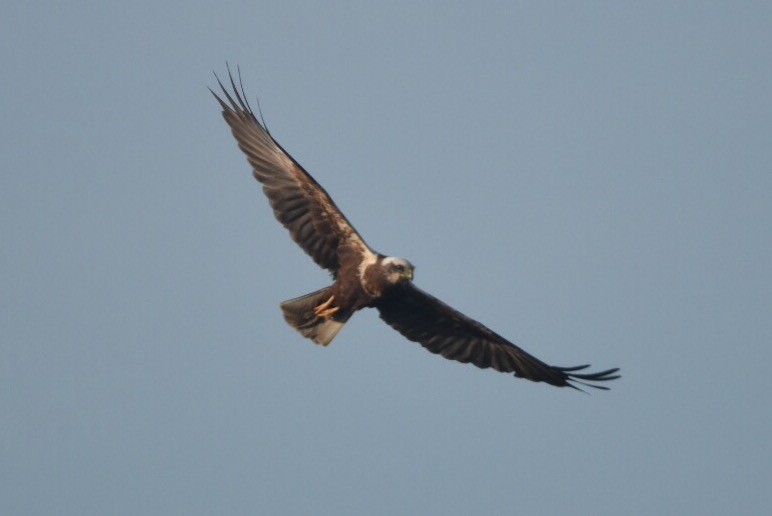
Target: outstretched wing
298,201
441,329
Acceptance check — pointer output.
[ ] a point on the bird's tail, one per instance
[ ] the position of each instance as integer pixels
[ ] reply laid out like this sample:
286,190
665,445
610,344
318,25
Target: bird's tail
302,313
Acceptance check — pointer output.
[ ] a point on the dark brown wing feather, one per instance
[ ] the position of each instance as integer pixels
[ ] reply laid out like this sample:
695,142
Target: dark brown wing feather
443,330
298,201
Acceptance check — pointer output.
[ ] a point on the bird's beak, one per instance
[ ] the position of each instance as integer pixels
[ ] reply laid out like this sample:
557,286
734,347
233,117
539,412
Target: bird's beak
410,274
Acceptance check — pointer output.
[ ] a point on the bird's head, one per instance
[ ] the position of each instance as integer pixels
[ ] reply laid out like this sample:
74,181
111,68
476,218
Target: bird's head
397,270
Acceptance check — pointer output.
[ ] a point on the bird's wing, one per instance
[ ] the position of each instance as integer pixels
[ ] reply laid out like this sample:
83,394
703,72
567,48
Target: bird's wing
298,201
443,330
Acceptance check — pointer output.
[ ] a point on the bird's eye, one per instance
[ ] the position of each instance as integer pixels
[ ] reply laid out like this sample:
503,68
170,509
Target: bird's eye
401,268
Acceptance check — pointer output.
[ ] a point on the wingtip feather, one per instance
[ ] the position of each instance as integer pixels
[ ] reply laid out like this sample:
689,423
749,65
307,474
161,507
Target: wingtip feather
585,378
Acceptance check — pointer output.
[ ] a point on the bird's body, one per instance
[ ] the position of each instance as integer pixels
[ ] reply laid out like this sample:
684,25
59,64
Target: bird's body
322,314
364,278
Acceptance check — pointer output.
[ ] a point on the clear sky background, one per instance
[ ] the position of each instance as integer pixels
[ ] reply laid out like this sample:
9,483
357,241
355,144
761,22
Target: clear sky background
590,179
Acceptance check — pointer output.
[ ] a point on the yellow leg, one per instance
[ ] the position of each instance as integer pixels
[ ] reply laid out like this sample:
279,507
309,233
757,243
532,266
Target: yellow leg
328,312
324,309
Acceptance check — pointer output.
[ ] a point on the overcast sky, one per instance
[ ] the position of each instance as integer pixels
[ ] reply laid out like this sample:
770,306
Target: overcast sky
592,180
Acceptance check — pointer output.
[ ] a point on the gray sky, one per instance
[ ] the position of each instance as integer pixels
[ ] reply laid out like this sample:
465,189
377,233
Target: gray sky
591,180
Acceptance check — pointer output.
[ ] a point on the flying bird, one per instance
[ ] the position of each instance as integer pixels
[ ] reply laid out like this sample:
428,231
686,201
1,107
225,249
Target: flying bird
364,278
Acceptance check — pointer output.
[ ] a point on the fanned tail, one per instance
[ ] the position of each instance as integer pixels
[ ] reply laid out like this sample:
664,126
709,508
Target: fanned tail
301,314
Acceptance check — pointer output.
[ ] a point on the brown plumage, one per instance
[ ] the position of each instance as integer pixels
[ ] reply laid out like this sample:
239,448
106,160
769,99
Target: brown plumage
364,278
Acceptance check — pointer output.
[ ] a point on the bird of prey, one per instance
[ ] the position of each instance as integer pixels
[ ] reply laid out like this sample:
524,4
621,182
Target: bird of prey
364,278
